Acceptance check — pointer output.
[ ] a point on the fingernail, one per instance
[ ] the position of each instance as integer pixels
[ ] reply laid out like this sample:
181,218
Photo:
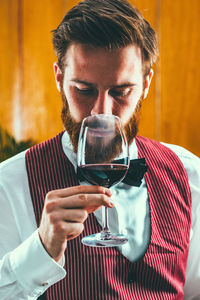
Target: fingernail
108,192
111,203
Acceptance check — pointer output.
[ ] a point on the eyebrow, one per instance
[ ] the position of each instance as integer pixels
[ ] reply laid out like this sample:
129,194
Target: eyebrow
128,84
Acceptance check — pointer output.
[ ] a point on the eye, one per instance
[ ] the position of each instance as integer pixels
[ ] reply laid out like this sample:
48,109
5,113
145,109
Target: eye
120,92
84,90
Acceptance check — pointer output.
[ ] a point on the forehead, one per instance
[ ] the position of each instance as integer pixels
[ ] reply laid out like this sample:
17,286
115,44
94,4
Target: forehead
83,60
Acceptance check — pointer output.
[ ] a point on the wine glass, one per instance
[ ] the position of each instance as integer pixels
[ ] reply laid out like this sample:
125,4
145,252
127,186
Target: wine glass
103,159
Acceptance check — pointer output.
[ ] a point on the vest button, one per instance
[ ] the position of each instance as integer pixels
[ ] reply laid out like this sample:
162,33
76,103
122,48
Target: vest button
132,277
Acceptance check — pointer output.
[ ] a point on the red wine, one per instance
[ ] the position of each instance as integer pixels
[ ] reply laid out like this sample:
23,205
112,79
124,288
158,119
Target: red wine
103,174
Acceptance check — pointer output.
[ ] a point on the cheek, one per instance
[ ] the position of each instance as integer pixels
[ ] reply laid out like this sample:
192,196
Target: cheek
77,107
126,110
125,113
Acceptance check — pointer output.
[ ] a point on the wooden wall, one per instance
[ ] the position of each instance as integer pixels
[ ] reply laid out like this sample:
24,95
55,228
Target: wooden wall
30,104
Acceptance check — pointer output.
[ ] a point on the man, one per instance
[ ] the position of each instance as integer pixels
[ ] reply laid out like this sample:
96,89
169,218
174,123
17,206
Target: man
105,53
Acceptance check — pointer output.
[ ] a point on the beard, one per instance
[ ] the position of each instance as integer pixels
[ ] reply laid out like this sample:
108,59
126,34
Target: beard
73,127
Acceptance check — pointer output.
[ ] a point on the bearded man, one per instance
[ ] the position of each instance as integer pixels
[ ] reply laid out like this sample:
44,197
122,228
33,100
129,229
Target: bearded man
106,51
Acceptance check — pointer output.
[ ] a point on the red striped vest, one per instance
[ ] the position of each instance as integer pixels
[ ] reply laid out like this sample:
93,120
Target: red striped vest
104,273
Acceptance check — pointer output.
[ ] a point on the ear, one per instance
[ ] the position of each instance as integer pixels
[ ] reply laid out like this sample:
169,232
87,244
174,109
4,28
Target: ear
58,75
147,83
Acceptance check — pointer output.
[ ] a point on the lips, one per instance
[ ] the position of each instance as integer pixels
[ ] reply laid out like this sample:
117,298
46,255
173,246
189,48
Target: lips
99,132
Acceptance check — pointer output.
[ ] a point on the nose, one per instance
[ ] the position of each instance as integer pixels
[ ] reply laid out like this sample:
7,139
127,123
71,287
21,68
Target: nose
102,104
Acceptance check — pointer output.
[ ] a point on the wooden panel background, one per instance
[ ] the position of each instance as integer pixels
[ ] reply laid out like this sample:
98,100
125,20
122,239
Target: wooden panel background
30,104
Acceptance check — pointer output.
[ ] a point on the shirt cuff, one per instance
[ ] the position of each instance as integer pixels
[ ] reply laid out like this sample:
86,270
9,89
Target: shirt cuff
34,268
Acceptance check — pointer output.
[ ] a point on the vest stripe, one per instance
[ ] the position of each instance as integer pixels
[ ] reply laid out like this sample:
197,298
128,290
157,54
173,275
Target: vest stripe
168,209
104,273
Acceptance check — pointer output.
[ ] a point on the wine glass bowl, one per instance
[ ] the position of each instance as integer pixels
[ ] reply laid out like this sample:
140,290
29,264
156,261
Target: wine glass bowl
103,159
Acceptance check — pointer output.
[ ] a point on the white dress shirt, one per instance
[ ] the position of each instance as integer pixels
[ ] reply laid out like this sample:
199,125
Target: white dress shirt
26,269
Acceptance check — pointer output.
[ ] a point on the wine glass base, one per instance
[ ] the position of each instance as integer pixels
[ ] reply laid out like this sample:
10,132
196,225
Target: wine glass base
96,240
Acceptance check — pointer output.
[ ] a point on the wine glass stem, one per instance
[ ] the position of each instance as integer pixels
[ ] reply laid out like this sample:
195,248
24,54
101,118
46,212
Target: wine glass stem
106,231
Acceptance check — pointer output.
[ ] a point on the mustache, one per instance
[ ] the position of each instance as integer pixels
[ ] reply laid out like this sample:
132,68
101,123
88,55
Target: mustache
98,123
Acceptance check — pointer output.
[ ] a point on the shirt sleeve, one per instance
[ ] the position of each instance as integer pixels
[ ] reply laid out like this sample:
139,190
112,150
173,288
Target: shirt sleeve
192,166
192,284
26,269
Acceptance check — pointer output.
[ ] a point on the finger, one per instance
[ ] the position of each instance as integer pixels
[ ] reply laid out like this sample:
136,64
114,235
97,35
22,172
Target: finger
80,189
69,229
70,215
86,201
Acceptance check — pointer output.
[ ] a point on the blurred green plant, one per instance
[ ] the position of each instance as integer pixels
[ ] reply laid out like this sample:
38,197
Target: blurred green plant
9,146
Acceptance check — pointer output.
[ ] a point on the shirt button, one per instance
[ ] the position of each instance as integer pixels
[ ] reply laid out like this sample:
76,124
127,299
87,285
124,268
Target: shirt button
132,277
44,284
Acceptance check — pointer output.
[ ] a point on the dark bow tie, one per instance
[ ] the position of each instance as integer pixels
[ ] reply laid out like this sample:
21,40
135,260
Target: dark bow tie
134,175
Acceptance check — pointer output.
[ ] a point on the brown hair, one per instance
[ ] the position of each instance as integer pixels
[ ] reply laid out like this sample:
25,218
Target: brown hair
106,23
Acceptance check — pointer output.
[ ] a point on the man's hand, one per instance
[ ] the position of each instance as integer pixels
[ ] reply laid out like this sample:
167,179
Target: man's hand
64,213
